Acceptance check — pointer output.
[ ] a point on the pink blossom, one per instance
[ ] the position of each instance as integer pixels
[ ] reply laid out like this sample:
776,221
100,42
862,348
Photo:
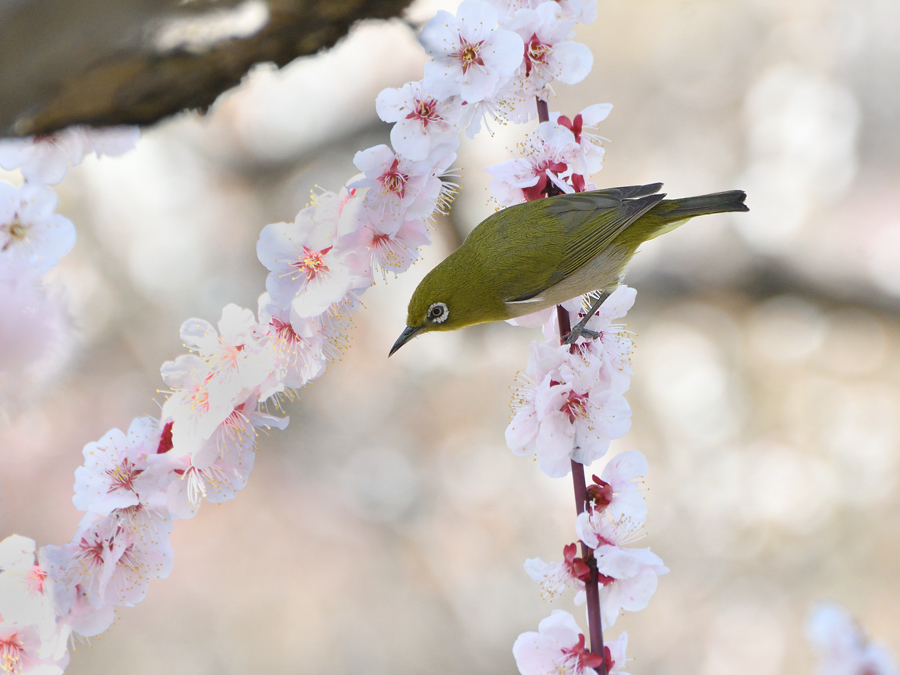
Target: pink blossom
24,604
239,353
35,326
113,475
588,159
297,342
522,432
547,156
472,56
571,413
556,578
221,466
110,562
577,420
396,252
614,651
307,263
198,403
614,346
399,189
621,499
421,121
22,651
558,648
628,576
842,647
77,615
46,158
32,237
549,55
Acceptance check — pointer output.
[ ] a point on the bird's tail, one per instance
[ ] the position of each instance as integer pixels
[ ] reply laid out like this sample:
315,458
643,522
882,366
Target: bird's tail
670,213
720,202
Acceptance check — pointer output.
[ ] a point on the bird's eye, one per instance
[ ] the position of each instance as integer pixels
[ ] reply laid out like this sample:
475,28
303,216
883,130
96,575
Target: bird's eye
438,312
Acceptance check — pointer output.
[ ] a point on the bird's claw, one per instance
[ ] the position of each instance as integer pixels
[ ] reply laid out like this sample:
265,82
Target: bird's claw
579,329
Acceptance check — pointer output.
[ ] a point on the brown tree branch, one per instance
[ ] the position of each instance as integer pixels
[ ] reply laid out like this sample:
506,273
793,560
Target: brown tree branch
102,62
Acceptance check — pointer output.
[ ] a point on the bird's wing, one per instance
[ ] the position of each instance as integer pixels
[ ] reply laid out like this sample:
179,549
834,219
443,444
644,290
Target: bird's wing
597,228
587,222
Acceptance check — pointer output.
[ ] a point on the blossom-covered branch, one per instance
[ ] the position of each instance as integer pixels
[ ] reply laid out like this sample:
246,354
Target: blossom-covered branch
490,59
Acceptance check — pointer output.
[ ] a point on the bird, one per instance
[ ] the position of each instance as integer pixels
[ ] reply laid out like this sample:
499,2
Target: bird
531,256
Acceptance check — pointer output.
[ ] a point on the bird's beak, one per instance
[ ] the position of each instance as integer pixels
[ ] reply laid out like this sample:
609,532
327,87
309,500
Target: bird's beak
408,334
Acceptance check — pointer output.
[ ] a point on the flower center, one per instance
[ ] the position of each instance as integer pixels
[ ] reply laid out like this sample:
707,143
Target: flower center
575,406
312,263
122,476
198,397
394,180
468,54
92,553
535,53
284,331
36,578
16,232
11,650
578,659
425,111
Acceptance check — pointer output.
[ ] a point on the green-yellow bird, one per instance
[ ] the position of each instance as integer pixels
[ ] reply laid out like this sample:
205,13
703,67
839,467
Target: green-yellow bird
538,254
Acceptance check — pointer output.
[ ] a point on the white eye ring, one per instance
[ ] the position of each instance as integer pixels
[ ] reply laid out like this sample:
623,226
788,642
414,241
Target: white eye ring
438,313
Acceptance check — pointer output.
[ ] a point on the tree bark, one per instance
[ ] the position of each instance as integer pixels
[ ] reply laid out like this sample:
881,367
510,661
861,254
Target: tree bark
109,62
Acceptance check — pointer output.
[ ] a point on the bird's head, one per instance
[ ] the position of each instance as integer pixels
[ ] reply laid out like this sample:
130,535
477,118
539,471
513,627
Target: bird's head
451,296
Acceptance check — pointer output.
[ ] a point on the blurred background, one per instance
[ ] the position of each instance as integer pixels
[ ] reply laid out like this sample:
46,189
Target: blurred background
386,529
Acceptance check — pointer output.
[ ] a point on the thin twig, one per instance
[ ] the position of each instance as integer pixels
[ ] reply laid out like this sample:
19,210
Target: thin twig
592,587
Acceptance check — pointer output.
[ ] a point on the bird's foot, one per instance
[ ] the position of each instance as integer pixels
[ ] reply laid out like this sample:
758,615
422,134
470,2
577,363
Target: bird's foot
579,329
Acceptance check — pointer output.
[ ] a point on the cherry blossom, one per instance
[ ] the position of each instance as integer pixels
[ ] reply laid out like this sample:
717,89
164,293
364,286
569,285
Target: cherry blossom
221,466
297,343
46,158
556,578
400,189
613,347
307,263
558,648
80,617
110,562
30,232
614,652
628,576
422,122
488,60
577,419
113,475
616,491
25,608
472,56
546,156
199,402
571,413
522,432
239,353
842,647
396,252
588,159
549,55
22,651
